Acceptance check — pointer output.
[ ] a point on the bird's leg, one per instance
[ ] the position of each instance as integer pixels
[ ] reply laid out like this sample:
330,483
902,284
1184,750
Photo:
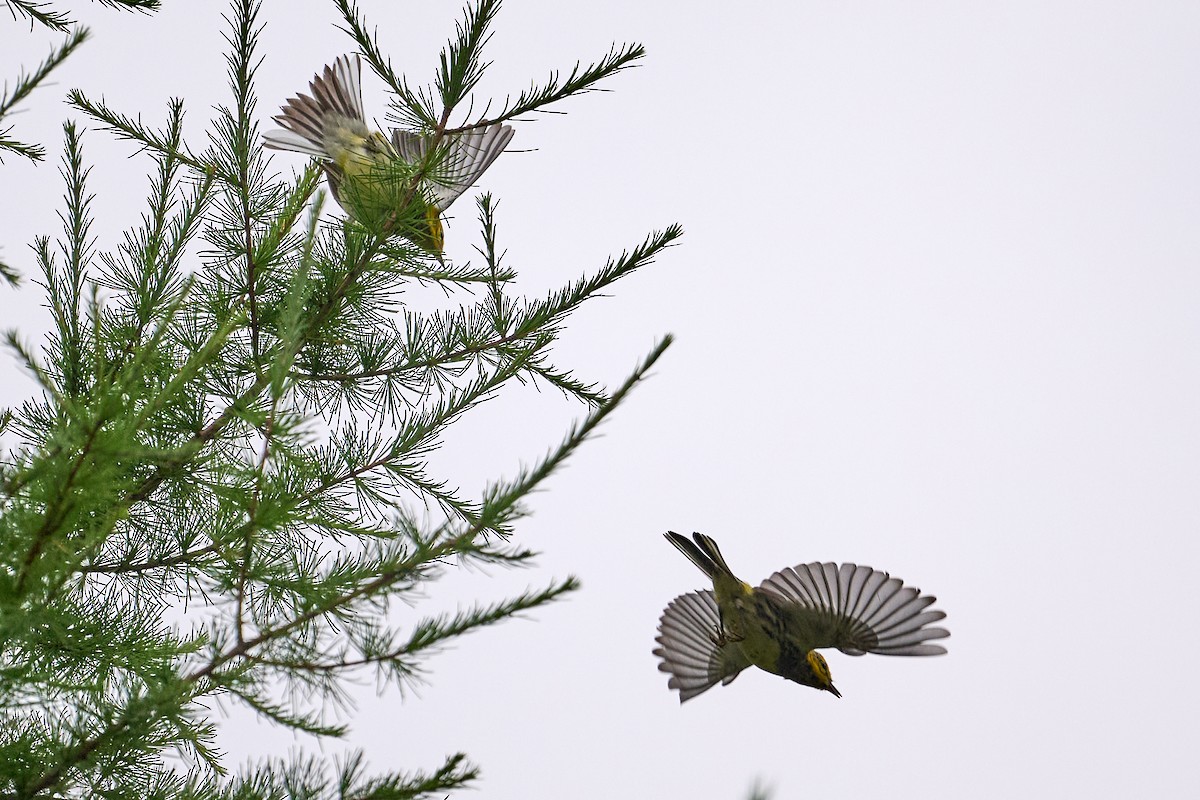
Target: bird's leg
723,636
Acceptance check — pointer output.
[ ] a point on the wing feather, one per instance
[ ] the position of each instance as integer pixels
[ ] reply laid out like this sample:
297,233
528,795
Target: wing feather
335,101
287,140
859,610
336,98
688,634
467,156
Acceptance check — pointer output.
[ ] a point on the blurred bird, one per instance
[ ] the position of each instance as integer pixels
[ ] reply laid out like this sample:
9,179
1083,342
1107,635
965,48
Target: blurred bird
712,635
394,185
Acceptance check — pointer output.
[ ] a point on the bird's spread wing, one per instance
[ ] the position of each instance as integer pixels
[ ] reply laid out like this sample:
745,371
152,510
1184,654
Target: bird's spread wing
858,610
688,638
467,156
336,99
340,88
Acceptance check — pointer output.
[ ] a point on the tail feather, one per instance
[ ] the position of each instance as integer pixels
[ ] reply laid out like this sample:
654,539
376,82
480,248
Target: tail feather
709,546
703,553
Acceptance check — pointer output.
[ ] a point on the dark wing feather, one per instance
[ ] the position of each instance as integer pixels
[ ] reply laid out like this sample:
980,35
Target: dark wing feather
688,635
858,610
339,89
467,156
336,99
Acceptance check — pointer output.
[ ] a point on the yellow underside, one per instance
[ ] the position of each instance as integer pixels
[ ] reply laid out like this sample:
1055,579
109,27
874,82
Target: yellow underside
378,192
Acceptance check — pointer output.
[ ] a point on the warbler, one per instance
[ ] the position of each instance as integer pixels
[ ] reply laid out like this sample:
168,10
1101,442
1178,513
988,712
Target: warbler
712,635
400,184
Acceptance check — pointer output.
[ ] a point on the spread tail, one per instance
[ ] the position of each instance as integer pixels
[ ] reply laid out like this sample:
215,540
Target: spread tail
703,553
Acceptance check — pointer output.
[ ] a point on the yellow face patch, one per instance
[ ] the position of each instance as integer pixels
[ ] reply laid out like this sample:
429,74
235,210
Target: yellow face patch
820,668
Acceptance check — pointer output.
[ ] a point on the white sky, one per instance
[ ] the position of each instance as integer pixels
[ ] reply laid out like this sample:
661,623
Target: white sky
936,312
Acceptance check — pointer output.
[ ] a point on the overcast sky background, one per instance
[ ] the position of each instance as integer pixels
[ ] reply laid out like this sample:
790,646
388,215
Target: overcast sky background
936,312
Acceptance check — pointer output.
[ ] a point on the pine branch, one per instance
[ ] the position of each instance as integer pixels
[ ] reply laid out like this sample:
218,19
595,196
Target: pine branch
460,64
308,723
568,385
580,80
66,288
40,13
497,276
237,415
442,340
500,505
416,108
430,633
241,133
26,83
383,650
132,130
43,14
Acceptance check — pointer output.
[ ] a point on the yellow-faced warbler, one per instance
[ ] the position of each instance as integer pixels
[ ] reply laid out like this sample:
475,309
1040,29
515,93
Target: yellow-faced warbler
397,185
710,636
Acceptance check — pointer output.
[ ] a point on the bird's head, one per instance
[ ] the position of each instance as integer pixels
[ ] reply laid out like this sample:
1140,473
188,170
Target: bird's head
814,672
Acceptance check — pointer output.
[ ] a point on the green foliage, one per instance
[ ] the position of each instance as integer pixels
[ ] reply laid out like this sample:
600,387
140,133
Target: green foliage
43,14
461,67
225,483
24,85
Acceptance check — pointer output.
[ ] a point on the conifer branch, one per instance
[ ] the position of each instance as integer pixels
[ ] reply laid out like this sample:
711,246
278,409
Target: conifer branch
26,83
